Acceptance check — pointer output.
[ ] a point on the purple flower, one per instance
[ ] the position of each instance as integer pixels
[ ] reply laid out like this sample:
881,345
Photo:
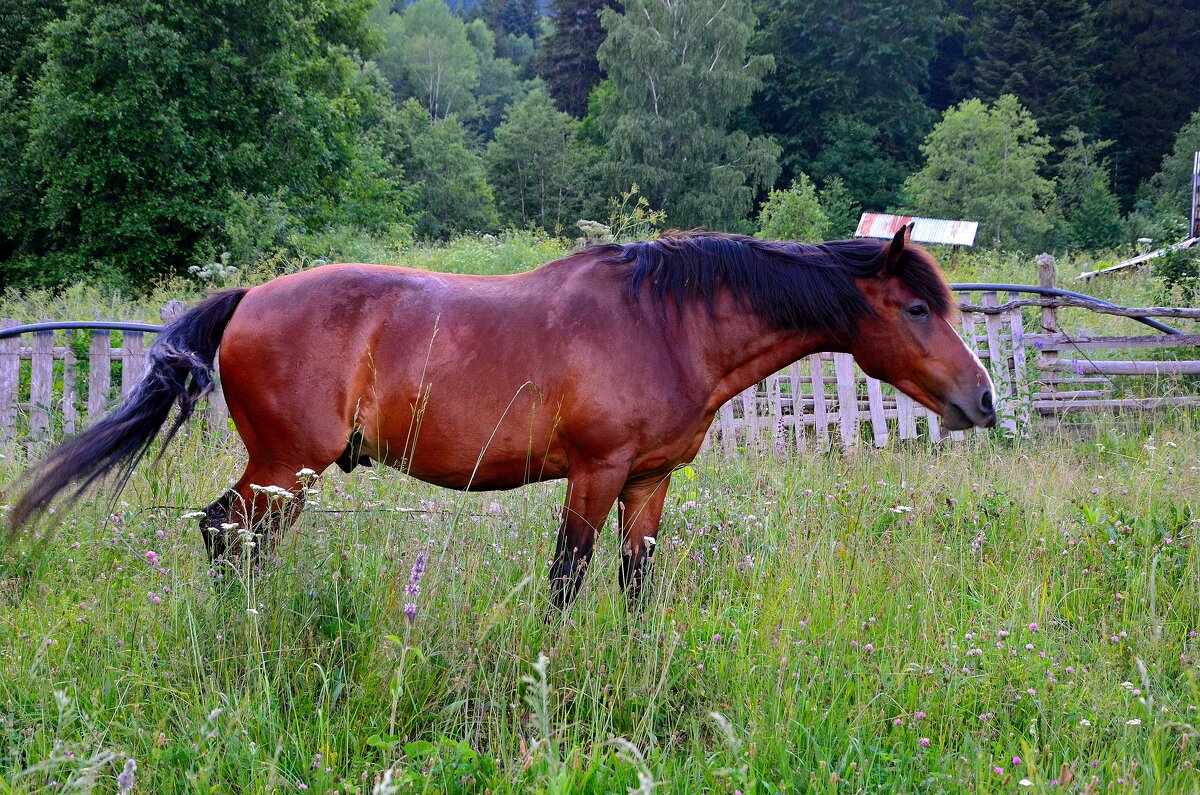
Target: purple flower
413,589
125,780
924,742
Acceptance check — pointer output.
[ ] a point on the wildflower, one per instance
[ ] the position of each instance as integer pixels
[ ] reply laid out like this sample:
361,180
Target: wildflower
869,648
125,780
924,742
1016,761
1025,782
1028,647
999,771
919,715
1133,722
1085,722
1033,627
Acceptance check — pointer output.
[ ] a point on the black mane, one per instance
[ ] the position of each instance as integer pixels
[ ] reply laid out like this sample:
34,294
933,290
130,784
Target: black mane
799,286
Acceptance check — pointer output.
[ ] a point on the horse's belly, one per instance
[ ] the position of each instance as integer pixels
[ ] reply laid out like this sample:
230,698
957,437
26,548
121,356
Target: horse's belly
459,453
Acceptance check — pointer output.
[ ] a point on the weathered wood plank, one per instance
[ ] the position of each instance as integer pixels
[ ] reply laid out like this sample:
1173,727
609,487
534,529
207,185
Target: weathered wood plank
775,396
906,416
847,392
1020,377
1105,367
798,405
1001,375
1063,407
133,360
728,433
41,384
1113,343
1103,309
99,374
70,385
879,428
816,374
10,379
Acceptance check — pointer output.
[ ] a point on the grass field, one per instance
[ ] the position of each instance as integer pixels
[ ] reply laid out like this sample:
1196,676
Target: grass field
987,617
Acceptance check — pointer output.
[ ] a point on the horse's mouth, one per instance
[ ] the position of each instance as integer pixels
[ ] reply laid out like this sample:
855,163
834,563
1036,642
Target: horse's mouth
954,418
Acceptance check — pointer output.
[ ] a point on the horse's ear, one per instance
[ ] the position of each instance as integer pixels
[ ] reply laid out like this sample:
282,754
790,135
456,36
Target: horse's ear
890,258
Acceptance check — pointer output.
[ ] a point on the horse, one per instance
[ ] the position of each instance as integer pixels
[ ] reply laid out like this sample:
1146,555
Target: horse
605,367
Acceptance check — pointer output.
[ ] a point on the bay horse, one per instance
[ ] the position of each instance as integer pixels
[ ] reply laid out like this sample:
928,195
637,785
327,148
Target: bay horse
605,367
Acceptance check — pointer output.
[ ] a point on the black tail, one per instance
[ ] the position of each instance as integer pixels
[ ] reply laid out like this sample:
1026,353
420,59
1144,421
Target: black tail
181,364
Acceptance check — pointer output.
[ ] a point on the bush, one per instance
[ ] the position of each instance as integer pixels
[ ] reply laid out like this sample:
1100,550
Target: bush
793,214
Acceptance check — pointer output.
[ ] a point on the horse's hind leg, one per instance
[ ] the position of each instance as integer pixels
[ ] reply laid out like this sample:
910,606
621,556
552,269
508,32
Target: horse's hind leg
264,502
638,514
212,526
590,496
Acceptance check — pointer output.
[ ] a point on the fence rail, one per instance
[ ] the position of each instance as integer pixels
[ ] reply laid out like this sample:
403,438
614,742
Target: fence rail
63,375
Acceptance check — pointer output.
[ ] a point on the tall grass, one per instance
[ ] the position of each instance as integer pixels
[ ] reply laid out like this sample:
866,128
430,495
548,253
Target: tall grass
903,620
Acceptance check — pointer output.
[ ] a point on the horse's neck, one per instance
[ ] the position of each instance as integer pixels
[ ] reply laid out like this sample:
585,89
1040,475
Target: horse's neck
744,350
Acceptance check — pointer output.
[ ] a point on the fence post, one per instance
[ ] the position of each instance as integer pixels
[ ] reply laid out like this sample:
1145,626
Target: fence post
133,360
847,392
998,363
1048,277
41,384
99,374
70,385
10,378
816,374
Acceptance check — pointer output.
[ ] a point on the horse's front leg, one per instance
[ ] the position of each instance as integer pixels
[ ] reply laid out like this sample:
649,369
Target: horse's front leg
591,491
638,514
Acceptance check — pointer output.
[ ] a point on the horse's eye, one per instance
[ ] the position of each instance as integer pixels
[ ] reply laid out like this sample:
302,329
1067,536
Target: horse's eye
918,310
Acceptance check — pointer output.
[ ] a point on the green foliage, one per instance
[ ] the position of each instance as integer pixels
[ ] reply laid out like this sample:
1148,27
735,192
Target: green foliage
500,82
846,97
427,55
983,163
680,73
1045,53
1179,270
1151,48
841,208
1085,198
1171,188
454,195
568,57
148,117
534,165
793,214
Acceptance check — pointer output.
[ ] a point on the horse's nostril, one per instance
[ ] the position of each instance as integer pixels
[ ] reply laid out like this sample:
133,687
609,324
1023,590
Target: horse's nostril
986,400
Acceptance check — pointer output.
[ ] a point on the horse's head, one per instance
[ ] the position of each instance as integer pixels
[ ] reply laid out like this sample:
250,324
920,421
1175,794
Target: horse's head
908,340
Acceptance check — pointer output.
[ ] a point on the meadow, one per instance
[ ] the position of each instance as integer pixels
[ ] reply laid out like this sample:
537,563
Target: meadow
997,615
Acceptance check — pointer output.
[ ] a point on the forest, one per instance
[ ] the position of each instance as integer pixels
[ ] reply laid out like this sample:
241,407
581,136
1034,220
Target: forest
143,138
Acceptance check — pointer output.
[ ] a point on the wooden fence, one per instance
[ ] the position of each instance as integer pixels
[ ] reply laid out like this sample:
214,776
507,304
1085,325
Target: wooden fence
54,382
825,399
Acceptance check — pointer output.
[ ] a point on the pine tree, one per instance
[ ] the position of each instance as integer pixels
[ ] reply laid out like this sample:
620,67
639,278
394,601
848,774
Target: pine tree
1084,191
680,72
1150,83
1044,52
568,55
846,98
